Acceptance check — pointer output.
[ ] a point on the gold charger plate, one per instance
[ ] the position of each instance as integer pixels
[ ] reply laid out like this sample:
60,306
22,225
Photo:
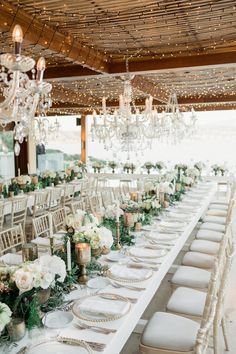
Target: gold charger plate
128,280
100,317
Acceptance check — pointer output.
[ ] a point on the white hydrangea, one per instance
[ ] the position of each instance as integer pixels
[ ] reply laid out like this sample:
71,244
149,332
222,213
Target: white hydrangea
5,315
111,211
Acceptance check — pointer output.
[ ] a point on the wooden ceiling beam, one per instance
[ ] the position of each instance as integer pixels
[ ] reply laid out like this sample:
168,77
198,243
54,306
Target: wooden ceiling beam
38,33
149,88
201,61
70,97
142,67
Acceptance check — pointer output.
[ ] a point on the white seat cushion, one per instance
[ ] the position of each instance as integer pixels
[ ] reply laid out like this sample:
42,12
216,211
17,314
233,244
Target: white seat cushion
170,332
218,206
191,277
215,219
200,260
212,226
209,235
220,201
216,212
187,301
205,246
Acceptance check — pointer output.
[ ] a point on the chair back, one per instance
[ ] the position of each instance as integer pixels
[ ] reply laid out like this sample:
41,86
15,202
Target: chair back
77,205
55,196
40,203
11,239
41,226
58,218
18,211
68,195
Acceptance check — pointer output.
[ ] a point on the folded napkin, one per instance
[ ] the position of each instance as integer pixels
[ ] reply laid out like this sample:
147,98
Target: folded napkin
162,236
180,216
44,241
11,259
146,253
99,305
173,224
123,272
187,207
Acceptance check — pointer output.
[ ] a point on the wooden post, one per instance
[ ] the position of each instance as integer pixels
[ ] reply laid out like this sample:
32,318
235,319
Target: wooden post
22,160
83,139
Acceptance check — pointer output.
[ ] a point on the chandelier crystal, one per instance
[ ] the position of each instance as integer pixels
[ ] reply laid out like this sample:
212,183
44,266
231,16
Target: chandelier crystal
22,96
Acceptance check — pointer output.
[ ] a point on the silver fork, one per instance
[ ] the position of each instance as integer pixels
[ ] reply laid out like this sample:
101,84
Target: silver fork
82,326
130,287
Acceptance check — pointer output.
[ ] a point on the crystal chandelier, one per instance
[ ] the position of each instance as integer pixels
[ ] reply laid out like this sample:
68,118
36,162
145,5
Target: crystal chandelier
127,128
22,96
43,129
175,125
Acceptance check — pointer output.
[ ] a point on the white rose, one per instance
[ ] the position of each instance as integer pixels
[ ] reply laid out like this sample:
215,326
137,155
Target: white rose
95,241
106,237
46,280
23,280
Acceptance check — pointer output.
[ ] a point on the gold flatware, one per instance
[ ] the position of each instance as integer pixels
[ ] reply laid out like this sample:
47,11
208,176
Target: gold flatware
94,328
99,347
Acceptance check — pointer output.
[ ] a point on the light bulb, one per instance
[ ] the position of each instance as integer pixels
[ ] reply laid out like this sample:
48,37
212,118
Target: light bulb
41,64
17,34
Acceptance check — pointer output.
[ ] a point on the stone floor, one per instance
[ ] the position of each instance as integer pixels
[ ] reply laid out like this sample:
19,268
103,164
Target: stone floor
161,297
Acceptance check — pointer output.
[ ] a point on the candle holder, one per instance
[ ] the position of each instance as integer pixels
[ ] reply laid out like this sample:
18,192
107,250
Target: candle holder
118,244
83,257
29,252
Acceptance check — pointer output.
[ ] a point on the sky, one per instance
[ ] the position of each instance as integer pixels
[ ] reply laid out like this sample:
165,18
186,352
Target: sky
215,141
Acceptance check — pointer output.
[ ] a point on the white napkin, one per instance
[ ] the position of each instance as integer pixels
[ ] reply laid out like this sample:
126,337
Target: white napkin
104,306
146,253
123,272
162,236
180,216
44,241
11,259
173,224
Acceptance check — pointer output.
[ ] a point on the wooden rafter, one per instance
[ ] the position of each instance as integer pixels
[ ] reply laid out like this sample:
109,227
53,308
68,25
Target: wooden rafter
38,33
147,87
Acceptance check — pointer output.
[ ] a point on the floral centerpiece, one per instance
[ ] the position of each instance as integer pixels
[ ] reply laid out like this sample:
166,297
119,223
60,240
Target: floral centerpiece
223,169
22,288
113,212
150,205
150,187
22,181
99,238
131,210
160,165
47,178
97,166
129,166
82,167
199,165
215,169
113,165
194,173
148,165
166,189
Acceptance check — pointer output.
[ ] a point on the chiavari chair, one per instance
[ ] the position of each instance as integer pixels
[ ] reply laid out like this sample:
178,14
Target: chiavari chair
58,218
55,198
11,239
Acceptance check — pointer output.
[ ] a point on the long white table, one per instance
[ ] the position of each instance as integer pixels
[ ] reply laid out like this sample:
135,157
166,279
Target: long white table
125,325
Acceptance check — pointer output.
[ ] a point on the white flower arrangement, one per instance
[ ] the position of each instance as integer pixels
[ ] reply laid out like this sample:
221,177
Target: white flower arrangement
5,315
98,164
23,179
80,219
150,204
98,237
149,186
47,174
166,187
192,172
111,212
42,273
187,180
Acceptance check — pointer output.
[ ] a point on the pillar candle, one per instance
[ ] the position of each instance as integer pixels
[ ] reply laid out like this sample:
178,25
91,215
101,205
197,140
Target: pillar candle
68,251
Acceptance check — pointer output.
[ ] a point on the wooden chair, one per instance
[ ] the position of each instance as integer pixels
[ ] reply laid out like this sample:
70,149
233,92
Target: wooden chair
41,200
58,218
55,199
11,239
41,226
18,212
77,205
167,333
95,203
68,196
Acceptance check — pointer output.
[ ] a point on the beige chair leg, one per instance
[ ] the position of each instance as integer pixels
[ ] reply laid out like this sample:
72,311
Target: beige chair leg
224,331
216,338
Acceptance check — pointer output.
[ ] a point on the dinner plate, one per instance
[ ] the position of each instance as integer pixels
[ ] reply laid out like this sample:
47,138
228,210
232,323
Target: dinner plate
172,225
57,319
147,253
98,283
121,273
115,256
101,313
147,227
161,236
53,347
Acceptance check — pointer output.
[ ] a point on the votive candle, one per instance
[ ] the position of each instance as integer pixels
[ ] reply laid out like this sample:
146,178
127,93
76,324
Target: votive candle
83,252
